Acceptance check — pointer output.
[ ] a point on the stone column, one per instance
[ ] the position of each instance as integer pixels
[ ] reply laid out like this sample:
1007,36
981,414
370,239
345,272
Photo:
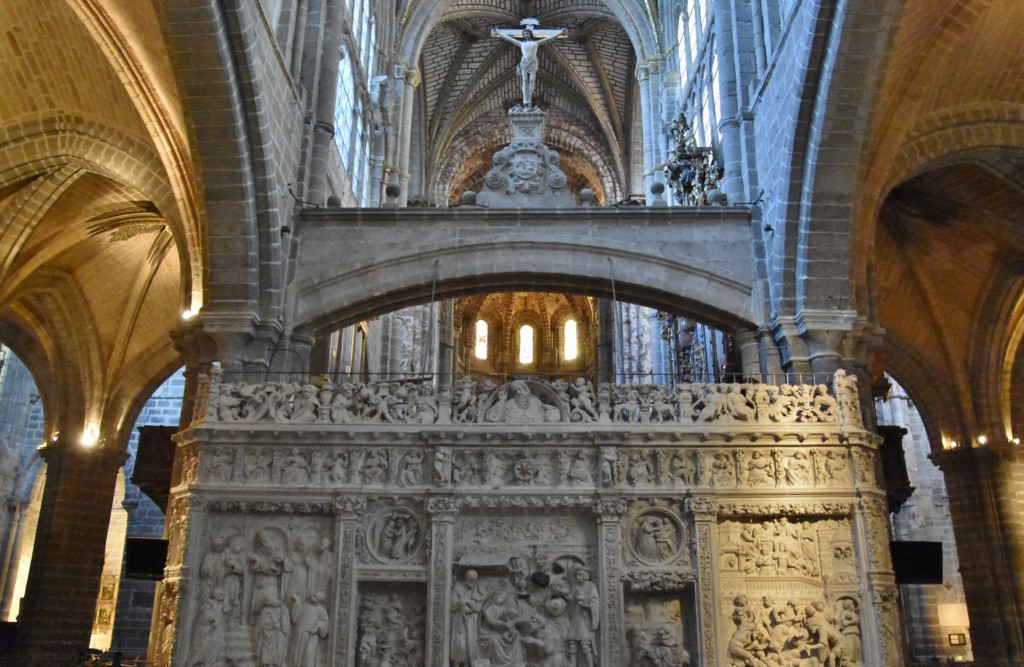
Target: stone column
649,74
349,515
609,512
705,524
407,79
57,611
443,511
326,102
985,485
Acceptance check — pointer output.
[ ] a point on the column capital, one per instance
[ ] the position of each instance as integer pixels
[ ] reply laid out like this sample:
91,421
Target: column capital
609,509
702,509
443,508
59,453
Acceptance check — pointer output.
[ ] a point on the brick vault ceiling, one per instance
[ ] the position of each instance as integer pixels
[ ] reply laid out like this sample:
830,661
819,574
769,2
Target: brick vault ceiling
585,83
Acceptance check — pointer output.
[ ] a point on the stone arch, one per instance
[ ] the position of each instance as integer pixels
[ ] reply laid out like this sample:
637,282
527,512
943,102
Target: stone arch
347,296
819,192
230,125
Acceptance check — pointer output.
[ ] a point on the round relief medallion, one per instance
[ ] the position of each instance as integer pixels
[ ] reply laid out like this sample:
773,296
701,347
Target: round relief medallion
656,537
394,536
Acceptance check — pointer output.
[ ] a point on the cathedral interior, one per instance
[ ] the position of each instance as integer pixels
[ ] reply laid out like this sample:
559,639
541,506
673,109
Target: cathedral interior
481,333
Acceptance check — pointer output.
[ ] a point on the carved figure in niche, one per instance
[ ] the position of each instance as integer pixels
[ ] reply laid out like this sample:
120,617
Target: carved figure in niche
849,625
723,472
749,549
210,633
849,398
798,470
760,469
221,465
608,460
297,579
375,468
683,468
519,573
499,638
336,471
257,466
311,625
211,571
398,538
268,564
467,603
295,469
640,470
583,408
320,566
271,634
584,619
516,404
579,471
836,468
232,581
411,472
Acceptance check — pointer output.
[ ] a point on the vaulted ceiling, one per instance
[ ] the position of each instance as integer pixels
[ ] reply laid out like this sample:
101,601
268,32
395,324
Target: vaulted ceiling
585,82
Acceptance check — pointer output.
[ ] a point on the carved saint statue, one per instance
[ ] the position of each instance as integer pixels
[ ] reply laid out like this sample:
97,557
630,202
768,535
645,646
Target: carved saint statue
528,45
467,602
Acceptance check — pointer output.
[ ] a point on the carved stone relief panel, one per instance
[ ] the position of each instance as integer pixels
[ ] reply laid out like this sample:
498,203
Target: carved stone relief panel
789,592
660,629
264,585
391,625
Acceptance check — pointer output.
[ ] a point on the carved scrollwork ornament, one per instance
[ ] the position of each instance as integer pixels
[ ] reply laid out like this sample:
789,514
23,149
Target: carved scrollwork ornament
443,506
702,508
609,507
350,507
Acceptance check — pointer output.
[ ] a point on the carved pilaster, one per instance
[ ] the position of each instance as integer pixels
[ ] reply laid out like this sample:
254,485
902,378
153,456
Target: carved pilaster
881,630
443,511
705,518
348,512
609,512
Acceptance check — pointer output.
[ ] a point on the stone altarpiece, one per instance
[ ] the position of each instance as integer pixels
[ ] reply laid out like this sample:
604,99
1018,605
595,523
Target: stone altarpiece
531,523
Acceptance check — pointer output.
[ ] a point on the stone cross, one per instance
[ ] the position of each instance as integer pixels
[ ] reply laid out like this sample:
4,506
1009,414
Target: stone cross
528,39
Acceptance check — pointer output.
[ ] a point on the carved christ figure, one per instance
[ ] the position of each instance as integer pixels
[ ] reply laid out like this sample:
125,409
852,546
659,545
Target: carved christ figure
528,45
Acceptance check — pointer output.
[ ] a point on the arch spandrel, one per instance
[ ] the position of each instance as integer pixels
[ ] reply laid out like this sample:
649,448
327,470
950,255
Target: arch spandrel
357,263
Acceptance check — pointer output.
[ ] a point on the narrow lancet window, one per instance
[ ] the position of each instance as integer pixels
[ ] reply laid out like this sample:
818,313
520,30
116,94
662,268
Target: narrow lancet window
526,344
481,339
570,350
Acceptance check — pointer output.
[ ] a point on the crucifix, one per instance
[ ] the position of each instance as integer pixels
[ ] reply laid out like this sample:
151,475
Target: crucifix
530,37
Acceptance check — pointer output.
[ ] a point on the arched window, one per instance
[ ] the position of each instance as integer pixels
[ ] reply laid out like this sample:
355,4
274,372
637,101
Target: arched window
481,339
698,65
345,109
570,347
526,344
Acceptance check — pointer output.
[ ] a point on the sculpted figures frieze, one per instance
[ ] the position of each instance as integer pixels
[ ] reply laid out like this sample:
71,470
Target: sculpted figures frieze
528,402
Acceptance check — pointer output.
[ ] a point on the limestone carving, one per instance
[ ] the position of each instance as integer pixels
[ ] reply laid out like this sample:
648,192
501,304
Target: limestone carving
394,536
467,603
793,634
523,402
661,580
312,624
531,402
683,469
391,630
656,537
